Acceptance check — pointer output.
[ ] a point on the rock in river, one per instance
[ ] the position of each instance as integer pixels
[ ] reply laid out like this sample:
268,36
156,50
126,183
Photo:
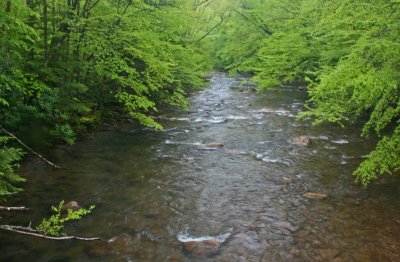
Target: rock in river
202,247
212,146
315,195
302,140
71,205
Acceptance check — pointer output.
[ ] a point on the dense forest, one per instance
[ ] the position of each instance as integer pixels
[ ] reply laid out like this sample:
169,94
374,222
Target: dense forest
68,65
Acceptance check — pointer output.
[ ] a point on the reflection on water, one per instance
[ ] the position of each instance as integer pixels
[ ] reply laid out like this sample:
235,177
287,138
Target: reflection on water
227,170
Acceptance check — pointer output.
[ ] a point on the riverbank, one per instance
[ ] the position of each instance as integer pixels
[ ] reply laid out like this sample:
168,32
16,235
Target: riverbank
153,189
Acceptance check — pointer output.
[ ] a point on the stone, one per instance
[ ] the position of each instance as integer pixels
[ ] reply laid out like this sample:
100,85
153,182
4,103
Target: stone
302,141
175,258
210,146
121,243
213,145
99,249
151,214
328,254
202,247
315,195
71,205
233,152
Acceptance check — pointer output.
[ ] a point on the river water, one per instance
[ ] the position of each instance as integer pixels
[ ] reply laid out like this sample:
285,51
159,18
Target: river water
153,189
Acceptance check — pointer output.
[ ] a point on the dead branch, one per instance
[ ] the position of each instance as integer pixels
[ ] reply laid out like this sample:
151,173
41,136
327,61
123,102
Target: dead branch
31,232
263,28
211,30
30,149
4,208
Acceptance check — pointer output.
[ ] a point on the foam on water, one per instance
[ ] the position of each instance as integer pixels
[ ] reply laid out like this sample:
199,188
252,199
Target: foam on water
340,141
231,117
270,160
186,238
179,119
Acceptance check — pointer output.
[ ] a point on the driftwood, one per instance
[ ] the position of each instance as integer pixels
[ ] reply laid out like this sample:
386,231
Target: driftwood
32,232
30,149
3,208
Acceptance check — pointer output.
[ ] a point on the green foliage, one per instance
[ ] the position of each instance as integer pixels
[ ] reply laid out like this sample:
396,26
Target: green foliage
54,225
8,178
65,65
347,52
383,160
64,133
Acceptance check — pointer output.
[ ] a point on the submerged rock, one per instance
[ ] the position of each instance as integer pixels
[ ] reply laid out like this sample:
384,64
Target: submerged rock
315,195
211,146
152,214
302,140
98,249
215,145
121,243
233,152
71,205
202,247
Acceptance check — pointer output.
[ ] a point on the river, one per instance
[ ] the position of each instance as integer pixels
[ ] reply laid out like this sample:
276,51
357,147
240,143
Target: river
154,189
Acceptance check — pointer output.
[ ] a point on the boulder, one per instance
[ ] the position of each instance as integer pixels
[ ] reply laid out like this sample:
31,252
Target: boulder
71,205
202,247
302,140
315,195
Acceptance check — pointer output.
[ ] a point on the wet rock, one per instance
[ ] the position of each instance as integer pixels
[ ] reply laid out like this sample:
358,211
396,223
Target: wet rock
328,254
121,243
211,146
202,247
354,202
71,205
214,145
233,152
143,255
175,258
302,140
285,225
253,228
313,195
287,180
98,249
151,214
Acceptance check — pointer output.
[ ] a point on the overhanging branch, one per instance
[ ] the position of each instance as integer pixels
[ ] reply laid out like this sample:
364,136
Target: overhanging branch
31,232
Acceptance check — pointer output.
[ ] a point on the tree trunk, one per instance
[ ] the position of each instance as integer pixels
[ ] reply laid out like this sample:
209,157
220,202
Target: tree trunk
31,22
45,32
8,6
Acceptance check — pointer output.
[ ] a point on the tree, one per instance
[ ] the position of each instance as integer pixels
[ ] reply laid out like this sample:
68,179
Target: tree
346,52
65,66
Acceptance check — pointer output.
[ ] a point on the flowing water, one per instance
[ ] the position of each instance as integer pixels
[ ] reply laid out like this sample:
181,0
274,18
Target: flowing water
154,189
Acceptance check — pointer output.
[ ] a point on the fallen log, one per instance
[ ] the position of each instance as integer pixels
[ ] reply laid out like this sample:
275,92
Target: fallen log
32,232
4,208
